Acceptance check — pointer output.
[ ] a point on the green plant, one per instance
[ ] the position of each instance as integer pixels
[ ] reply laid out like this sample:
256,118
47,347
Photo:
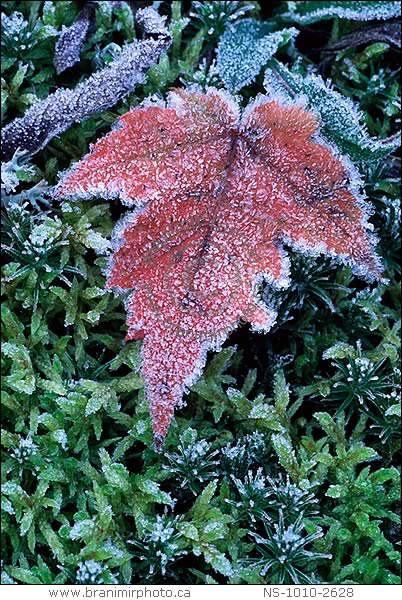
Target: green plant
285,556
279,449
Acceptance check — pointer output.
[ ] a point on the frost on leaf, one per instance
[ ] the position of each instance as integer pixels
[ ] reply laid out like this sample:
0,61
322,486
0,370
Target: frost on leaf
245,48
308,12
56,113
341,121
217,196
71,40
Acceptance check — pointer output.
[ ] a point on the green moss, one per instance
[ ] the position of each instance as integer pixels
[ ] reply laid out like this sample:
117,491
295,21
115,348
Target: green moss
294,432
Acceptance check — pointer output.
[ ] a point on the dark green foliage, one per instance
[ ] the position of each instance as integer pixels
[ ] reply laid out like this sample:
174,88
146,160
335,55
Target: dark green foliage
155,554
284,556
289,444
373,385
193,463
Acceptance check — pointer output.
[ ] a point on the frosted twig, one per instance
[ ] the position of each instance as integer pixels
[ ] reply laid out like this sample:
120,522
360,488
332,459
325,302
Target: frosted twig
69,45
56,113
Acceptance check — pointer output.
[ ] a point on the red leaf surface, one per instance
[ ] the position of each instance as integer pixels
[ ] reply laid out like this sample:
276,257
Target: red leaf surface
217,196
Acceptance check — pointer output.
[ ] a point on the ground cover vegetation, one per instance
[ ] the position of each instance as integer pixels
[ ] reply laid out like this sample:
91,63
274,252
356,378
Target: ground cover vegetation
283,465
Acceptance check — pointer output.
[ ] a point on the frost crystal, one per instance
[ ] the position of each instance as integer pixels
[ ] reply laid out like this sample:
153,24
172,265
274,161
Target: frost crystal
88,571
193,462
13,25
161,532
203,77
13,171
61,437
81,528
254,496
226,192
25,449
93,572
9,179
284,552
245,48
50,117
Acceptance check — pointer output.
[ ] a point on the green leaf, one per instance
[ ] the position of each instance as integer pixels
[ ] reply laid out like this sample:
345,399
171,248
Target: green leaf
335,491
340,350
22,377
341,121
286,454
333,429
26,522
281,393
393,411
214,529
343,535
100,397
152,489
201,505
53,541
382,475
245,48
189,531
218,561
23,575
43,571
359,454
18,78
115,473
267,414
82,529
306,12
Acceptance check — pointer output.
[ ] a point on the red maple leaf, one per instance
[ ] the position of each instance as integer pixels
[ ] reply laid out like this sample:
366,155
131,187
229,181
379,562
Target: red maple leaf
218,194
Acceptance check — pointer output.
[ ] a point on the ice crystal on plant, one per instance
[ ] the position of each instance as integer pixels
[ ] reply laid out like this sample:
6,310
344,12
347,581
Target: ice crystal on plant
159,547
284,553
21,37
13,24
6,579
9,179
81,528
90,571
307,12
226,191
245,48
161,532
254,496
17,37
61,437
69,45
193,462
204,76
359,379
246,455
290,499
26,447
13,171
